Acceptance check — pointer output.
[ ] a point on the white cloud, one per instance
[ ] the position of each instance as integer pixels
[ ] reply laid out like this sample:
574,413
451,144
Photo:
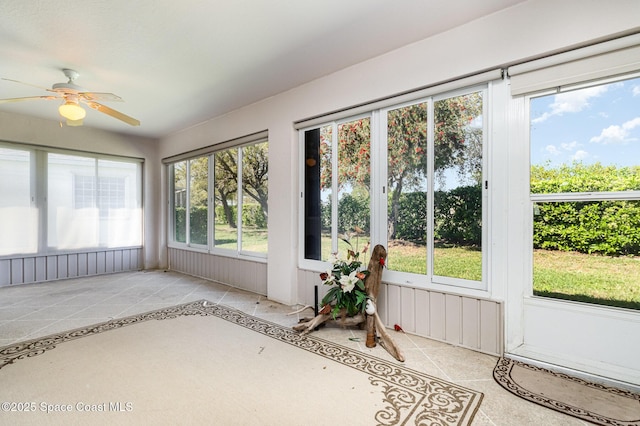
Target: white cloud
571,102
551,149
580,155
636,90
570,146
616,133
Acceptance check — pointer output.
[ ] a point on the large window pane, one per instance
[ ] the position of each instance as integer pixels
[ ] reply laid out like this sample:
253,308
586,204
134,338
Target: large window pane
458,187
226,199
92,203
255,179
119,203
18,218
318,183
73,214
588,252
198,200
585,185
407,186
586,140
180,202
354,178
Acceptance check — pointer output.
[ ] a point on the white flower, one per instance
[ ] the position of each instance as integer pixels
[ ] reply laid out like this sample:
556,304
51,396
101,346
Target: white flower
334,258
348,282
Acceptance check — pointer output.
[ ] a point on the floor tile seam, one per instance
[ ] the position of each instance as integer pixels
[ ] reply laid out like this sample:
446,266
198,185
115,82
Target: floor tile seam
480,410
436,365
34,332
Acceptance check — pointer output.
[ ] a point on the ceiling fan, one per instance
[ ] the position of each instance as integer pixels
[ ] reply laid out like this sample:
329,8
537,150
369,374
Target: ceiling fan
72,95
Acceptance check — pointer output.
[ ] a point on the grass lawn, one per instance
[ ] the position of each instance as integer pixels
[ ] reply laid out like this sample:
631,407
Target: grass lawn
611,281
252,239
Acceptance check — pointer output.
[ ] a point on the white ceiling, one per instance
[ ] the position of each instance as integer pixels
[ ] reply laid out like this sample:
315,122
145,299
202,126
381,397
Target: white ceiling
178,63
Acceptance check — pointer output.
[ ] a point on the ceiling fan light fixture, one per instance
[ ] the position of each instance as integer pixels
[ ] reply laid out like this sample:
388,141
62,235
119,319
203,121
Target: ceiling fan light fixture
72,111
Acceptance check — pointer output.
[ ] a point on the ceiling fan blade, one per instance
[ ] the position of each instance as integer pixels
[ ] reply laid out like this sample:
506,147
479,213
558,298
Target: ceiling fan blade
97,96
28,98
28,84
113,113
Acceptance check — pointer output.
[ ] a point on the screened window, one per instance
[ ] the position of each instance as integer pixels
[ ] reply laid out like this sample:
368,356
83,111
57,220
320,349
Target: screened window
337,212
427,210
585,187
92,202
18,211
226,199
180,202
226,195
63,200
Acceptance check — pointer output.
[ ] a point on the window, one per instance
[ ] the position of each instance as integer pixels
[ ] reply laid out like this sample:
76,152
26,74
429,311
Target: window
18,211
62,200
180,202
92,202
198,200
457,236
585,193
428,209
347,226
226,195
226,199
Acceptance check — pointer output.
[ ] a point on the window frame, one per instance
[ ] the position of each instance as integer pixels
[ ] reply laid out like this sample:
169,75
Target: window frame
591,196
210,247
378,195
39,184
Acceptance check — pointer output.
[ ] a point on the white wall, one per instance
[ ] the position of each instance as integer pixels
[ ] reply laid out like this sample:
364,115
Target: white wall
528,30
30,130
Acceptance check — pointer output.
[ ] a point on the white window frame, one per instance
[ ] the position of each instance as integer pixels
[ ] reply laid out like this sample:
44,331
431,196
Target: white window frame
210,246
565,196
378,195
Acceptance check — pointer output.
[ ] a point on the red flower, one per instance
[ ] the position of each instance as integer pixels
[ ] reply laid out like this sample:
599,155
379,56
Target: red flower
381,261
324,276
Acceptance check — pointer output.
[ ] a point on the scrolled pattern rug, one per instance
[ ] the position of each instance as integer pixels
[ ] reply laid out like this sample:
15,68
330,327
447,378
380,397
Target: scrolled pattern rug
202,363
574,396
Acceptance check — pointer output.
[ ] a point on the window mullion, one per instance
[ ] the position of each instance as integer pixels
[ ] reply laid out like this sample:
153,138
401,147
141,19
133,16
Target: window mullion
187,204
430,186
334,187
379,158
211,214
240,196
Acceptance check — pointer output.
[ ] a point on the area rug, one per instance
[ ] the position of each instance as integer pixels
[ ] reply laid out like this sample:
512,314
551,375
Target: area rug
576,397
202,363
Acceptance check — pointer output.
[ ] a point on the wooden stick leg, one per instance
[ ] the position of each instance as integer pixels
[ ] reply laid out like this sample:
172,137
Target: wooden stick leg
371,331
387,341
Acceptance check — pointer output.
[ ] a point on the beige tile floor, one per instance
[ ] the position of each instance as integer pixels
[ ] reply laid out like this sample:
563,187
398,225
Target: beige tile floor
36,310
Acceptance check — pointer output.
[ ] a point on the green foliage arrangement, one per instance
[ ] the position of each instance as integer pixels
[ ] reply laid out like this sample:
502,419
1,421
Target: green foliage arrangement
347,284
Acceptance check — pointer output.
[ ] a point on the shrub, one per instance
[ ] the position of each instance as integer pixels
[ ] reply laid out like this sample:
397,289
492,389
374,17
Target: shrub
412,212
605,227
458,216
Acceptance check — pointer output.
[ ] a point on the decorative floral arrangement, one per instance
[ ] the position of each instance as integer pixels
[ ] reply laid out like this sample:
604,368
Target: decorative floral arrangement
347,281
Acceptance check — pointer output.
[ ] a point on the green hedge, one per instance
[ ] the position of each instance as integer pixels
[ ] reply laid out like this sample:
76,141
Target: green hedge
604,227
458,216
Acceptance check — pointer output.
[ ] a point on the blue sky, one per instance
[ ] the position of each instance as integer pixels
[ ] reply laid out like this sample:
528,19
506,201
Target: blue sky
595,124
